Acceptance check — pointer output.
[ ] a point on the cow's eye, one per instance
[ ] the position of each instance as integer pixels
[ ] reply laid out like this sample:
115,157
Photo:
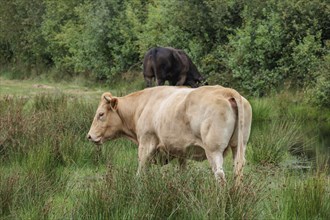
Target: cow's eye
101,114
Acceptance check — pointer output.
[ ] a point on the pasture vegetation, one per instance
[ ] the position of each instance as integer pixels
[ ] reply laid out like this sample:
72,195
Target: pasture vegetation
276,53
49,170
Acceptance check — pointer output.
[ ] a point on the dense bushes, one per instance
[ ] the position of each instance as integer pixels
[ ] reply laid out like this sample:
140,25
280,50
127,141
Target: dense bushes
275,46
257,46
319,90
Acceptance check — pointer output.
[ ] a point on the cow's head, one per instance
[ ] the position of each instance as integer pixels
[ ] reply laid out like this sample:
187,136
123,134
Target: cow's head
203,82
107,123
199,79
195,79
195,76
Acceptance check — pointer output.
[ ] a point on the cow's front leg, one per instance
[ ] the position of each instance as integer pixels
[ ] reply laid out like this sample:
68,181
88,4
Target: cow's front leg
172,82
182,163
160,82
148,81
182,79
147,149
191,83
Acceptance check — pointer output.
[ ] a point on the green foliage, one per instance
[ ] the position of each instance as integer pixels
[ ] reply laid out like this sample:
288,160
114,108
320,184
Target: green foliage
305,60
319,91
162,29
255,52
79,38
255,46
270,49
20,38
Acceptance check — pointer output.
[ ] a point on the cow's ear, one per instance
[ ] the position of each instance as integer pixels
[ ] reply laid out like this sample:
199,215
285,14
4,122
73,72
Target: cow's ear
107,98
114,104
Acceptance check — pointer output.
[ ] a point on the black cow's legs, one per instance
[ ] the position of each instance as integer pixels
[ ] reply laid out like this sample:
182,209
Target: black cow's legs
182,79
148,81
160,82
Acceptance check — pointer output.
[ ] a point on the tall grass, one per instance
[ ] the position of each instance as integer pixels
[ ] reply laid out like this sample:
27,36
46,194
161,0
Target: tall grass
263,110
286,106
48,170
307,198
271,144
38,136
172,194
54,121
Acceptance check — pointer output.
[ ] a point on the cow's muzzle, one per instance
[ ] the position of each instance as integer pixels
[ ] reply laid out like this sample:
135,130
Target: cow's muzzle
97,141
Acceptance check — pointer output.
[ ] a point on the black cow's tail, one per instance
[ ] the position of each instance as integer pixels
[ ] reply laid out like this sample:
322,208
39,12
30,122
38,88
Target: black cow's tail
153,57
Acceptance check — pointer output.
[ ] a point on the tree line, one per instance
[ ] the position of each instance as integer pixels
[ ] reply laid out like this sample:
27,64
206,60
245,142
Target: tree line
259,46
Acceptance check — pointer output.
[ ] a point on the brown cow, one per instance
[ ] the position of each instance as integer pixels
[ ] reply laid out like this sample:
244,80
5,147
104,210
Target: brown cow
182,122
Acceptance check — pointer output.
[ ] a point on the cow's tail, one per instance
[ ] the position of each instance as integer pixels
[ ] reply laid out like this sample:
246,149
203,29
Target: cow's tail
240,151
153,63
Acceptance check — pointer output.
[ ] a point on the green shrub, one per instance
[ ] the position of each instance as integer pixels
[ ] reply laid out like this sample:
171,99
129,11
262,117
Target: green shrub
254,53
305,59
279,44
319,91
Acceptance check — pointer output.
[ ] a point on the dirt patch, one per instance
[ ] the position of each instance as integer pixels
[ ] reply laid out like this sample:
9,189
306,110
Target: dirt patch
40,86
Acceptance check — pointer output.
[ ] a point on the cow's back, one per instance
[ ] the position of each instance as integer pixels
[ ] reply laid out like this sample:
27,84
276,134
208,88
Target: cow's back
160,104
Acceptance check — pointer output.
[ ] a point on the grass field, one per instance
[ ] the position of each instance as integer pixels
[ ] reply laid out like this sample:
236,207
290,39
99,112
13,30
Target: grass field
48,170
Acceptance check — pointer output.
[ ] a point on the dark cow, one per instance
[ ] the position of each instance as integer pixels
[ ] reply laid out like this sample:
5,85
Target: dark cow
170,64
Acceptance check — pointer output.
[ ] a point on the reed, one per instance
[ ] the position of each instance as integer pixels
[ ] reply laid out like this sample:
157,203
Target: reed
270,143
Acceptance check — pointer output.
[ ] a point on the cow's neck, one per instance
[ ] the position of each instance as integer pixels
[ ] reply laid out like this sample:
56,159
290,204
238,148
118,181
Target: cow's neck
126,111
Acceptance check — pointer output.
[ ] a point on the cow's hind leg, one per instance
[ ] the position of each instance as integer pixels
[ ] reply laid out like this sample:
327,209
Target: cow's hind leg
160,82
216,138
182,79
215,159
